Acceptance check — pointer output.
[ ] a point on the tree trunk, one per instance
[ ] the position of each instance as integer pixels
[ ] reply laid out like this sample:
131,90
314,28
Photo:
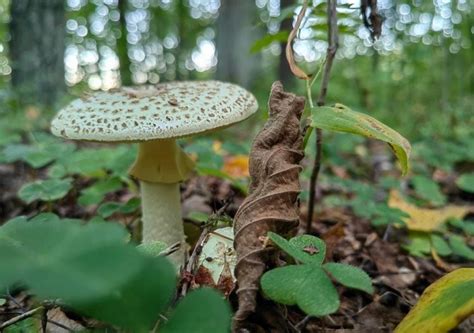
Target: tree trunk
37,30
122,46
235,34
284,71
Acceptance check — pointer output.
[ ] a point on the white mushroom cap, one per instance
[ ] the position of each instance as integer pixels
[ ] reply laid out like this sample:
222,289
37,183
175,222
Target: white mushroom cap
166,110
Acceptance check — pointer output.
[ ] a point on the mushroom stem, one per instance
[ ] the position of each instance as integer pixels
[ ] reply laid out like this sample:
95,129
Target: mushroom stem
161,216
160,166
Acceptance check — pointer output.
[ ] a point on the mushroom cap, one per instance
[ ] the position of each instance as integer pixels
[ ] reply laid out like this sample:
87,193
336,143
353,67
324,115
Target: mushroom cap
165,110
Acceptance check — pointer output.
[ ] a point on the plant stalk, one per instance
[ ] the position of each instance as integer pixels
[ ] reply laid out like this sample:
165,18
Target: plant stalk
330,55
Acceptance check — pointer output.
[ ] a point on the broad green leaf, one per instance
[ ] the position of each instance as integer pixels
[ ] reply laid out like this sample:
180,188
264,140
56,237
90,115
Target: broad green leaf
96,193
429,190
466,182
340,118
310,249
305,248
440,245
89,267
307,286
45,190
460,248
202,311
443,305
262,43
350,276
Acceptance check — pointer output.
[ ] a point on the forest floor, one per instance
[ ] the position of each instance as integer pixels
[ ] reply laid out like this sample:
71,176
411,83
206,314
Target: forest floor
400,271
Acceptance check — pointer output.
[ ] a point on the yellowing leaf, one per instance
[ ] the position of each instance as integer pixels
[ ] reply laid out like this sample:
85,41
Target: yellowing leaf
340,118
425,219
237,166
443,305
217,147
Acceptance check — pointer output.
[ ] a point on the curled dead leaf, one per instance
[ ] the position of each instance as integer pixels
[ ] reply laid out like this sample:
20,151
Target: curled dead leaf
272,204
295,69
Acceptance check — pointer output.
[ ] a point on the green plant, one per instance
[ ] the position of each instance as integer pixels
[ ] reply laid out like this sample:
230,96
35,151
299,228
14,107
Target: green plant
308,283
93,270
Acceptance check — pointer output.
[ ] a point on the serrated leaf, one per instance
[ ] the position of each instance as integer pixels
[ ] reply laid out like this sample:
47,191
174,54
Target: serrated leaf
201,311
89,268
45,190
460,248
350,276
443,305
419,244
440,245
342,119
304,248
428,190
307,286
466,182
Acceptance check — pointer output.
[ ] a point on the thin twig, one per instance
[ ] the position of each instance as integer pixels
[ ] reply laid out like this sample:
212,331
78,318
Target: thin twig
331,53
21,317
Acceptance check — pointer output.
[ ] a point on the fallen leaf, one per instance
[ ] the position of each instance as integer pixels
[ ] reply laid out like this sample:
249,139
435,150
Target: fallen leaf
443,305
425,219
236,166
218,253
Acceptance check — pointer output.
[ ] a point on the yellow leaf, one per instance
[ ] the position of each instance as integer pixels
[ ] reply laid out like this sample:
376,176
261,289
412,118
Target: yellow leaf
217,147
425,219
443,305
237,166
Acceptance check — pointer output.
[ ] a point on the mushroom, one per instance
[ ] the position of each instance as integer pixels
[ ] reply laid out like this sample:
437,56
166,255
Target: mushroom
154,116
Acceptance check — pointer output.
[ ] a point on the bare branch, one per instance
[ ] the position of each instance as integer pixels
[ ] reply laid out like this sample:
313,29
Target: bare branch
333,43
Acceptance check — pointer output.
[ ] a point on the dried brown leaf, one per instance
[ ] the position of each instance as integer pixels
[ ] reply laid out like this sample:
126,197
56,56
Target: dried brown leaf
295,69
272,204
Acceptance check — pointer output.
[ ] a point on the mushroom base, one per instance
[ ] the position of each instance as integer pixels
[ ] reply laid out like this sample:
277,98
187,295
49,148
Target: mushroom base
161,217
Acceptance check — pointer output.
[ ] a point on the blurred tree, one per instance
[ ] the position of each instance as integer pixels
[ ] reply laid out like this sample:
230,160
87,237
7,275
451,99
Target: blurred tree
122,46
37,30
284,72
235,35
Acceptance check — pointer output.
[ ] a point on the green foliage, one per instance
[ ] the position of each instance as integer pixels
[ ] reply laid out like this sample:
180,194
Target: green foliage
466,182
107,209
428,190
93,270
95,194
308,284
267,40
202,311
45,190
350,276
443,305
446,244
153,249
342,119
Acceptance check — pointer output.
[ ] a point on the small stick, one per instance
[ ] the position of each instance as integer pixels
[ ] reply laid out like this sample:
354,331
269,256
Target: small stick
21,317
331,53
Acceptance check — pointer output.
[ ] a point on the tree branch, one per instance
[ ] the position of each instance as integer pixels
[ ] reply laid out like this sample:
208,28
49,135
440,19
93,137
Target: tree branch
333,43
